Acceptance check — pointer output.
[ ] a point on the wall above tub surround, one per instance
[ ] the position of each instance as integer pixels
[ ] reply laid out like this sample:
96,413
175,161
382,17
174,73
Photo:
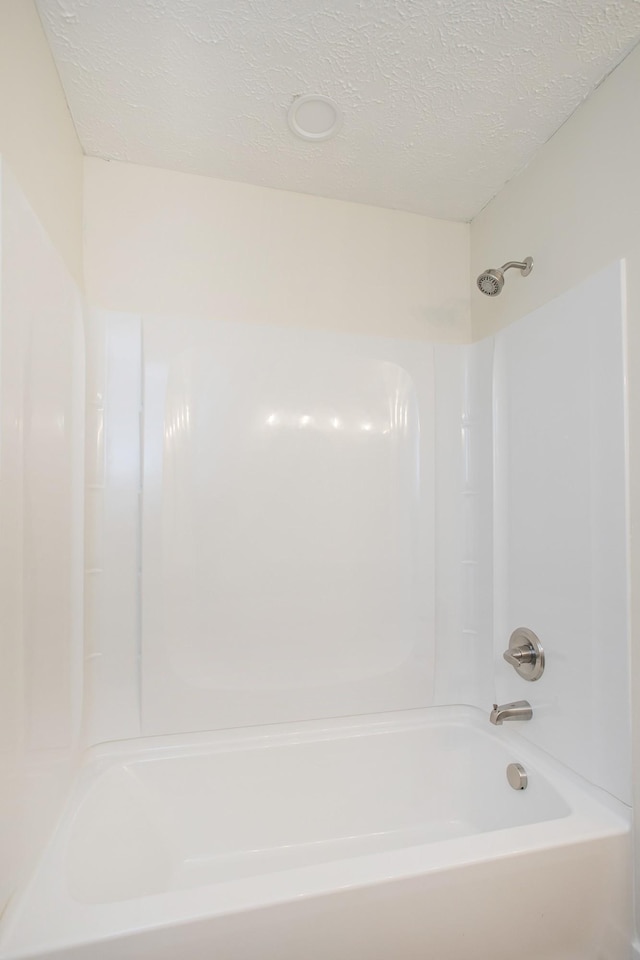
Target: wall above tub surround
37,135
161,242
41,506
574,207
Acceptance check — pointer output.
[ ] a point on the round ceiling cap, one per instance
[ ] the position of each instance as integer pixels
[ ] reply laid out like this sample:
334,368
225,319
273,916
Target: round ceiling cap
314,117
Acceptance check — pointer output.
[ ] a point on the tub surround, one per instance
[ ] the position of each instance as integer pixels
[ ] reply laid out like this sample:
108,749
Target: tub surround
394,509
41,532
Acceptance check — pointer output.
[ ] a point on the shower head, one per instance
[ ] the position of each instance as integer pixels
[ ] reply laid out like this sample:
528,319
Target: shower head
491,281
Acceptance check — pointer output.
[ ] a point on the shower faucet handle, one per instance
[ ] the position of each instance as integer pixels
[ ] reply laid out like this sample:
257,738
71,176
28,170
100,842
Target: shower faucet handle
525,654
519,655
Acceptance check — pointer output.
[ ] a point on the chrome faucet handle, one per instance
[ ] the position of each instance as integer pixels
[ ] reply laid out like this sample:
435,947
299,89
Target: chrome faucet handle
525,654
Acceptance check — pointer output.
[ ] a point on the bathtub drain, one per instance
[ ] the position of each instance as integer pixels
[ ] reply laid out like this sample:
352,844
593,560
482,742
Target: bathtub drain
517,776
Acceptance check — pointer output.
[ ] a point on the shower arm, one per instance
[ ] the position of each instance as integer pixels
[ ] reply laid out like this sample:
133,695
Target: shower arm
523,265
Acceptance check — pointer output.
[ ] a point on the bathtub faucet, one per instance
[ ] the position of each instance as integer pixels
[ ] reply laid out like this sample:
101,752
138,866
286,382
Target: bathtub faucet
519,710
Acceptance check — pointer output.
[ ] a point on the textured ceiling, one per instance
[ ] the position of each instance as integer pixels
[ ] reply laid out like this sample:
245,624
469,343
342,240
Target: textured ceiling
443,100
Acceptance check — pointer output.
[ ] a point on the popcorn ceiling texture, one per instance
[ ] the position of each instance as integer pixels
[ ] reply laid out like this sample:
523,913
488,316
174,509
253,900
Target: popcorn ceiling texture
443,100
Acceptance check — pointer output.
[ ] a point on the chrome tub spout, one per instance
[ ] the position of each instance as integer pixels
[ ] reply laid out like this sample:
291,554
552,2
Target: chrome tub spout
519,710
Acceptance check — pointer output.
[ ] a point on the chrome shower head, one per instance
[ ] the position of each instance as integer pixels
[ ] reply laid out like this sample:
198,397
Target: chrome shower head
491,281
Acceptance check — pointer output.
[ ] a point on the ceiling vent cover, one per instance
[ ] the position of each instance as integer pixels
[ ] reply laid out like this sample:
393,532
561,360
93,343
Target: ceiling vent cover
314,117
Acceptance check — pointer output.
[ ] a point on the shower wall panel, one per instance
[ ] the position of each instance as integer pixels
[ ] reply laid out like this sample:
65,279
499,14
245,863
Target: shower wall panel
560,524
112,574
463,524
41,505
288,525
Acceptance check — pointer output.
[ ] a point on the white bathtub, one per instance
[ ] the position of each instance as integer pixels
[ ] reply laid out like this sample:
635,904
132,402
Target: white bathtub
394,837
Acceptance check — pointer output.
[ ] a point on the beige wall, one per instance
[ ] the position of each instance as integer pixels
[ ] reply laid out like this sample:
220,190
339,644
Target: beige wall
163,242
37,137
633,400
575,209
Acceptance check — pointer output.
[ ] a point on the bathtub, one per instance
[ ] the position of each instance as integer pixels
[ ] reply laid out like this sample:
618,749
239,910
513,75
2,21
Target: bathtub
392,837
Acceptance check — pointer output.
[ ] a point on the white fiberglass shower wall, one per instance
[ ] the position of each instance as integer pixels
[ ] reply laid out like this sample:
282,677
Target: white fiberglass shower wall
333,525
41,533
288,525
288,521
560,544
